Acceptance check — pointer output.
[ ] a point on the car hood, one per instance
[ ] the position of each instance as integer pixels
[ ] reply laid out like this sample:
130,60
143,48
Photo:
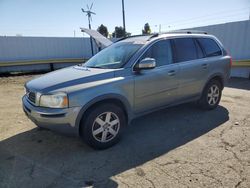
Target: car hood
68,77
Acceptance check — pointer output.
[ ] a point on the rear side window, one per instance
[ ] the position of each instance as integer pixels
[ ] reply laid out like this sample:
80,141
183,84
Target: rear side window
185,49
200,52
161,52
210,47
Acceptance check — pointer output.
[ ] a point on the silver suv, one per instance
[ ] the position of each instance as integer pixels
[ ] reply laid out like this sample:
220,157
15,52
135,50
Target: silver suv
133,77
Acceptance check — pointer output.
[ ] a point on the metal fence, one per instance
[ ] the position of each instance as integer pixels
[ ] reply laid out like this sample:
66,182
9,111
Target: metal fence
35,53
39,53
234,36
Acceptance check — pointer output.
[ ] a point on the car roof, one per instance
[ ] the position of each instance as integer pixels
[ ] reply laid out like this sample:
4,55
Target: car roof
146,38
137,38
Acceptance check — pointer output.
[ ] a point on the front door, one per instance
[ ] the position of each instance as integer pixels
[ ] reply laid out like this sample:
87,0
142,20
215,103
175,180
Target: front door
157,87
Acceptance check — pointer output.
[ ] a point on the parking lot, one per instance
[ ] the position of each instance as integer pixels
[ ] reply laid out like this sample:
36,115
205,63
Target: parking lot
181,146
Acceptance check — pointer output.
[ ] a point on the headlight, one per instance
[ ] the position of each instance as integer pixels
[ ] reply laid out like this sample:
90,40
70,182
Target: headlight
59,100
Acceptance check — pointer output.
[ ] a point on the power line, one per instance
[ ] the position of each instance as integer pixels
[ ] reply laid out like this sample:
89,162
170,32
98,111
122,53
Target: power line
209,15
210,19
223,15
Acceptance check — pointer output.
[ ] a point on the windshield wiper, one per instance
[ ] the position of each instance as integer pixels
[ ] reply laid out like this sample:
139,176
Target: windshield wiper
96,67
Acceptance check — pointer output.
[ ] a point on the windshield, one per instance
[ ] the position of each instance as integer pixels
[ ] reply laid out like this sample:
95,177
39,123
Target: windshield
113,57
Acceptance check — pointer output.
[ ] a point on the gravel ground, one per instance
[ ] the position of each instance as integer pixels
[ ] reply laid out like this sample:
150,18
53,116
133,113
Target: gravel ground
176,147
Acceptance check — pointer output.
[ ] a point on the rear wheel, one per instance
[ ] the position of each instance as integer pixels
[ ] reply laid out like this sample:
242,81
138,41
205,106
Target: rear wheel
211,95
103,125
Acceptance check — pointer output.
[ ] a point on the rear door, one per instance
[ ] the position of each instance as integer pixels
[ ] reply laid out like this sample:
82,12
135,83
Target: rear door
214,58
193,68
157,87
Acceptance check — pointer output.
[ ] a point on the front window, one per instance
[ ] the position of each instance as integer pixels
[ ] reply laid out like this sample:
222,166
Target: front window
115,56
161,51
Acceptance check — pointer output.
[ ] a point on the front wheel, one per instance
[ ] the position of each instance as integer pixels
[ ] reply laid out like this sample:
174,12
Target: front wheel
211,95
103,125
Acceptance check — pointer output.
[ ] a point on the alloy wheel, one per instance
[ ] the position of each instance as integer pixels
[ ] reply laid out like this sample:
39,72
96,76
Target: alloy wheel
105,127
213,95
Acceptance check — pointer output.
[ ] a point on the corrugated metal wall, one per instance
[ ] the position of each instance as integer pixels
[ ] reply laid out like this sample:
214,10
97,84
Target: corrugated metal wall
37,48
19,49
234,36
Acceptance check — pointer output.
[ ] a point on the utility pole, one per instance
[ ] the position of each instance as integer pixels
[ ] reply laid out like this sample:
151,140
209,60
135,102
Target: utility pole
123,16
91,41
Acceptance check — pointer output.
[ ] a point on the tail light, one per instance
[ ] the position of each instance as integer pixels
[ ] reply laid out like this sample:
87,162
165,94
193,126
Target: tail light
231,61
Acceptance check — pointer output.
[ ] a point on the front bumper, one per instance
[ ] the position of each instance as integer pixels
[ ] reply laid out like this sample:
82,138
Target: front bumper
60,120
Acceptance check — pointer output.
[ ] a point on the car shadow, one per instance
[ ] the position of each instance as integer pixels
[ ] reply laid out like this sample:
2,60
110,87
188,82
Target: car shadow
41,158
239,83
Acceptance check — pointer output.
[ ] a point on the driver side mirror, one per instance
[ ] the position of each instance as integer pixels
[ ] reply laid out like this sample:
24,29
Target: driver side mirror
147,63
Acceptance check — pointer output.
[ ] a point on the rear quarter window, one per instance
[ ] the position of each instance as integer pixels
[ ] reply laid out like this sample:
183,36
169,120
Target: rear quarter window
210,47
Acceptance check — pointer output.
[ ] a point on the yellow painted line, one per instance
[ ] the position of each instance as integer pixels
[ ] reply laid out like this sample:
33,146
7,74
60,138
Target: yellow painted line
32,62
241,63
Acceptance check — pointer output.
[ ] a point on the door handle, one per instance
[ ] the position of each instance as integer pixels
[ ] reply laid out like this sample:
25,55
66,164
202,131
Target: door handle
171,73
204,66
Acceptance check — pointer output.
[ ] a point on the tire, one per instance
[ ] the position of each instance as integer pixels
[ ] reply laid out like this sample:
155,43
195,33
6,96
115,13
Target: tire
211,95
103,125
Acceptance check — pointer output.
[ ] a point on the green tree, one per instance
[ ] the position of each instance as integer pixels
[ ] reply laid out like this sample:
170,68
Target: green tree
119,32
103,30
146,30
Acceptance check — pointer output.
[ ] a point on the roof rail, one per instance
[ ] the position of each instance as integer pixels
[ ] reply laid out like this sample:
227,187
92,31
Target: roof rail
153,35
178,31
187,32
142,35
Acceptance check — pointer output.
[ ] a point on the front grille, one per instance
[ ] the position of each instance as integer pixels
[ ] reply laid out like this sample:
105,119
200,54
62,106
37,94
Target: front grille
32,97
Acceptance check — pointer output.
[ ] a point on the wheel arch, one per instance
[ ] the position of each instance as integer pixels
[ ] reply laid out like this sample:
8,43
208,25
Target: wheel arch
109,98
218,77
203,98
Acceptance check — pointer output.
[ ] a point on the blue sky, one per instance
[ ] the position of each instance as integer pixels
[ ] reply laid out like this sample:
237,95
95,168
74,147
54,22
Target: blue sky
63,17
